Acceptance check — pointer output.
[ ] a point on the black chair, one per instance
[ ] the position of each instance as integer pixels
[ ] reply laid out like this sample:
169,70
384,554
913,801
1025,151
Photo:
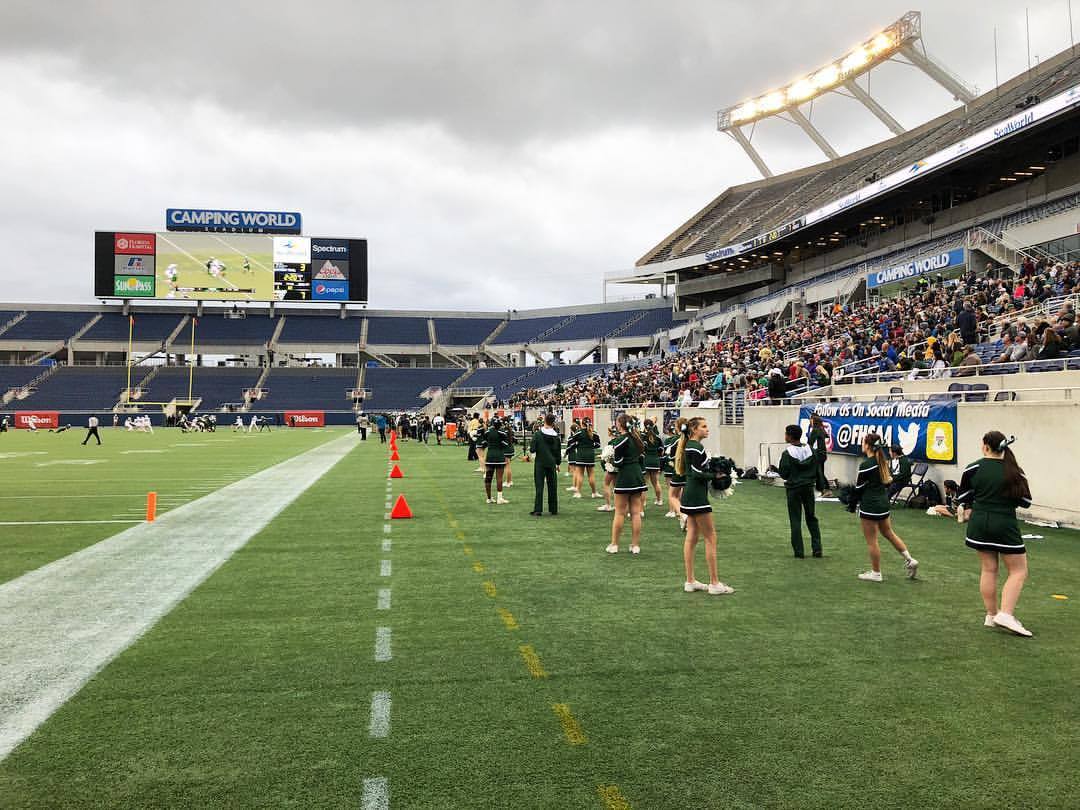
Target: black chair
957,389
978,392
1004,396
940,396
918,473
896,392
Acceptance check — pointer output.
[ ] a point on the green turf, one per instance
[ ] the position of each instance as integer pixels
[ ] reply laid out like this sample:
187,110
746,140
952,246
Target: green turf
807,688
47,477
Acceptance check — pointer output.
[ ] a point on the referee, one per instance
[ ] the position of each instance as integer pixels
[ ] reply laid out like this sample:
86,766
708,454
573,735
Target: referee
92,430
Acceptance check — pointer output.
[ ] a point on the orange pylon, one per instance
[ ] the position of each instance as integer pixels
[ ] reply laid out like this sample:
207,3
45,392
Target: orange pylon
394,456
396,472
401,508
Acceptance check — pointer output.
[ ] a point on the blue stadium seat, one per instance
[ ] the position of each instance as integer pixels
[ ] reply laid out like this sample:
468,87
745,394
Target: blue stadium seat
43,325
308,388
464,331
398,331
17,377
221,331
320,329
394,389
149,327
525,330
213,384
77,388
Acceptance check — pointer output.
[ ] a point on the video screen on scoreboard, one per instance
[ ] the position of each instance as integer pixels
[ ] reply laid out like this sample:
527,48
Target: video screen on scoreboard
229,267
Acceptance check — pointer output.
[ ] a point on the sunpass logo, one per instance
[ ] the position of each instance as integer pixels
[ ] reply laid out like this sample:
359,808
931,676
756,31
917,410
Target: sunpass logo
134,286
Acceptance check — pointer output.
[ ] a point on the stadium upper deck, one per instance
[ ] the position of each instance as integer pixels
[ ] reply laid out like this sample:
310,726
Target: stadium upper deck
716,239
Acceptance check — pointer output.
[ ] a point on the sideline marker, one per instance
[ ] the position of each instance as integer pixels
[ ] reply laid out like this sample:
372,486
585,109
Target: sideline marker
396,472
401,508
151,506
394,456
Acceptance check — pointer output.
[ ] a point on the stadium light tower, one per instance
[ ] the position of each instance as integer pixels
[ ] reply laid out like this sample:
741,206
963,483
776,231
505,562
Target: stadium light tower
901,39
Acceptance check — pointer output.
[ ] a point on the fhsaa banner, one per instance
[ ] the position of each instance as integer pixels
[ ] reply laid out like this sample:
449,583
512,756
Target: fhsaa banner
926,431
924,264
212,219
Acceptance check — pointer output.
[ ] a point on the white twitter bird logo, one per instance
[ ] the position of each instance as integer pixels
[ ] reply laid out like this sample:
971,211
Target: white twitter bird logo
909,438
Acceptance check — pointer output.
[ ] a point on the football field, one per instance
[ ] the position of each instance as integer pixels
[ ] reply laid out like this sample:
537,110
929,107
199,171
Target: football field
274,640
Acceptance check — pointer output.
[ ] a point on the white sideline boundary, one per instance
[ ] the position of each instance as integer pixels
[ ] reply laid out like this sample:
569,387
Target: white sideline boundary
62,623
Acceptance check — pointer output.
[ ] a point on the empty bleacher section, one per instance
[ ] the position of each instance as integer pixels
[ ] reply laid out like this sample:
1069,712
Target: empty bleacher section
464,331
649,322
78,388
151,327
44,325
308,388
592,326
400,388
12,377
526,330
217,330
504,382
7,316
213,385
318,329
391,331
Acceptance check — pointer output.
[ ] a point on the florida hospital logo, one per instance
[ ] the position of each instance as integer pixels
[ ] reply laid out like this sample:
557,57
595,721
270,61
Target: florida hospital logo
122,243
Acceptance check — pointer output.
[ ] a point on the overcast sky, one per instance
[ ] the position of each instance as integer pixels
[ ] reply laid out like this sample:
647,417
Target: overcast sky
496,155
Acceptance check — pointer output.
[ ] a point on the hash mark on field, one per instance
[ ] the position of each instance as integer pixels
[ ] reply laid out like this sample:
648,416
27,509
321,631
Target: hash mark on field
478,567
380,715
384,599
384,568
612,798
386,528
532,661
386,544
489,588
376,794
570,726
382,644
508,619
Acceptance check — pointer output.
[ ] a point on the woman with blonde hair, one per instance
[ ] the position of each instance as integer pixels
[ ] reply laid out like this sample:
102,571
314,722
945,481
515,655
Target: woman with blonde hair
628,450
871,500
677,479
692,462
653,447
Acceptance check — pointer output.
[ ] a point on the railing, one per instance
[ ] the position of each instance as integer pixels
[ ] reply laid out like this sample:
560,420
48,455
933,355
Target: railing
967,372
966,395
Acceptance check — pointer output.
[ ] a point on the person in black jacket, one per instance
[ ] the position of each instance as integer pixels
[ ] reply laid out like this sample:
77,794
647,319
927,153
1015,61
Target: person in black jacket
777,387
799,469
968,324
546,450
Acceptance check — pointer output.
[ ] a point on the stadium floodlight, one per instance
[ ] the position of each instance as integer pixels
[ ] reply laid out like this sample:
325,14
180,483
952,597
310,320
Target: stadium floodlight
898,39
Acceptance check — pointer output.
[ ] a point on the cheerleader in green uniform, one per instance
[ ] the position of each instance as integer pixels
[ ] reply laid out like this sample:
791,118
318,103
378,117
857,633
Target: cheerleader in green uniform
692,462
587,446
609,470
576,436
871,499
510,449
653,446
493,440
667,460
629,484
678,477
991,490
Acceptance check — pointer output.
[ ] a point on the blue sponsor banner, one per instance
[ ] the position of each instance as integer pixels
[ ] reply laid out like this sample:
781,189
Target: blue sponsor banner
921,265
329,291
926,431
212,219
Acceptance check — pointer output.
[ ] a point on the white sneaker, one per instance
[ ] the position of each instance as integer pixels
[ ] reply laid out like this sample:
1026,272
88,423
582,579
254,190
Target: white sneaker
989,620
479,469
605,508
658,502
508,484
596,495
682,522
612,548
491,500
690,587
577,494
912,566
571,489
719,589
643,514
1012,624
501,499
870,576
669,513
635,549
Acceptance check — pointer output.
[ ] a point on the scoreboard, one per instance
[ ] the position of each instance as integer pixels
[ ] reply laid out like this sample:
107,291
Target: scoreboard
229,267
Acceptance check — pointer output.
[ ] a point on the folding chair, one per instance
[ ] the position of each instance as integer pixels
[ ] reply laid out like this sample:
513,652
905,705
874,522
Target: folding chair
918,473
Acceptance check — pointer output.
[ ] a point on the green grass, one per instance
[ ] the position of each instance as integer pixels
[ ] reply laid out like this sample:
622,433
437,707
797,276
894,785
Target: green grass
806,688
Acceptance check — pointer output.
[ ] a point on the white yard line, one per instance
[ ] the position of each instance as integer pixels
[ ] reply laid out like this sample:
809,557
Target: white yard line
62,623
384,568
387,544
380,715
49,523
384,599
382,644
375,794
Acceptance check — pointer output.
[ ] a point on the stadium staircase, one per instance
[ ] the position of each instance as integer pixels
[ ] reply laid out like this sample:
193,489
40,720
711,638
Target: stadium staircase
1003,250
382,359
260,384
11,322
271,344
179,330
552,330
696,236
32,385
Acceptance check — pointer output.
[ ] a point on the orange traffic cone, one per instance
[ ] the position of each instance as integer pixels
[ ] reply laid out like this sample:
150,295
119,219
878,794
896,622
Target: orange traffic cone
396,472
393,436
401,508
394,456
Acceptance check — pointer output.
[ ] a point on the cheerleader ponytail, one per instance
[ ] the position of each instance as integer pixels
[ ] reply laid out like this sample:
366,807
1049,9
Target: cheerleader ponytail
683,433
630,427
873,442
1016,484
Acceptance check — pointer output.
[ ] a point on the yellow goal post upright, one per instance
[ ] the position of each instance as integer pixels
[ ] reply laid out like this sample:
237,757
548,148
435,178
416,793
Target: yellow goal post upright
174,403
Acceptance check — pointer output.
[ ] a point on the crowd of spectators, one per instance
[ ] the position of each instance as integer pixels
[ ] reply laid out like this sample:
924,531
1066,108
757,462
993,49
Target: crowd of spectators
928,330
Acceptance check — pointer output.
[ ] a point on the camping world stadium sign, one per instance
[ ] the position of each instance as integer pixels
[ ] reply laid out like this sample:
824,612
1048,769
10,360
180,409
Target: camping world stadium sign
918,267
211,219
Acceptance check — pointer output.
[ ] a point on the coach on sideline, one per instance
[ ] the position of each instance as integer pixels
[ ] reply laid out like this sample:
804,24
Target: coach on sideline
92,429
546,450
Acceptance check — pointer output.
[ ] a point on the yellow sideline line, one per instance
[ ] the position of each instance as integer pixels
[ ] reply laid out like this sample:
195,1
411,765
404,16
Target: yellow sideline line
489,588
570,726
478,567
612,798
532,661
508,619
